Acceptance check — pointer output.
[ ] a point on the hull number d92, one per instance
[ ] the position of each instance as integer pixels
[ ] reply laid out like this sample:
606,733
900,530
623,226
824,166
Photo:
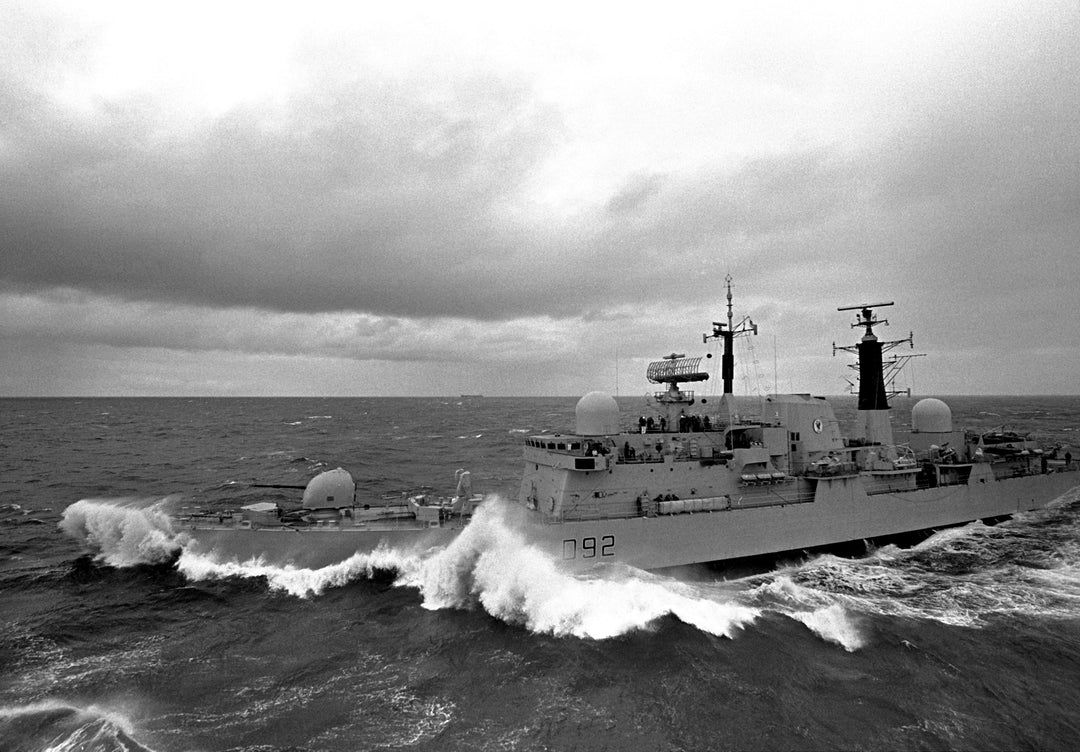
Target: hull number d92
588,548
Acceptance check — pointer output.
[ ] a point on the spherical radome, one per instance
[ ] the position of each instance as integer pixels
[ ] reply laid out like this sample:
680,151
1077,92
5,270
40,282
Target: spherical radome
931,416
597,414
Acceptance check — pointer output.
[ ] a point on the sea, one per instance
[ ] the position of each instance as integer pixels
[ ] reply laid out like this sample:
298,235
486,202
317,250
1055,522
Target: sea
115,636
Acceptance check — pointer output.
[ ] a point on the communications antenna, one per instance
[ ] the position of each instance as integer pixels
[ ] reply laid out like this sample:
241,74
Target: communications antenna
728,332
877,375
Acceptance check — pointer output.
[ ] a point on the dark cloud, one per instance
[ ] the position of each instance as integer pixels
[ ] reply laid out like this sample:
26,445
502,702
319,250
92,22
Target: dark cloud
364,199
402,213
339,202
392,196
977,194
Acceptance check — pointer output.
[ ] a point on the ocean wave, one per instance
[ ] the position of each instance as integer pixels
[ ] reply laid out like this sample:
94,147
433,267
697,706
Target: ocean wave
124,532
965,576
834,624
57,726
293,580
961,577
829,615
492,565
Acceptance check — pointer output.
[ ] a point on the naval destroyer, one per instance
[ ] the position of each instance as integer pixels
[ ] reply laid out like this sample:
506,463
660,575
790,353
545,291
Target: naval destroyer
686,484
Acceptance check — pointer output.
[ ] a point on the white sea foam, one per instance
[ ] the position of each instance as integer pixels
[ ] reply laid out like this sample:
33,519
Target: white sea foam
125,532
293,580
491,564
962,576
833,623
828,615
64,727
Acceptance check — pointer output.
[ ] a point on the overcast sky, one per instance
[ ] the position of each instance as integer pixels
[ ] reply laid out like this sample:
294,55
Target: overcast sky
434,199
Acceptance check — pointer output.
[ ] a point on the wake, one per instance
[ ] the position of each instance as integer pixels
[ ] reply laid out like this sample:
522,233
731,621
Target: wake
971,576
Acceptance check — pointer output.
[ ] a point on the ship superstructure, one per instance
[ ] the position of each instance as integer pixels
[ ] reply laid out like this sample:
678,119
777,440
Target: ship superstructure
690,483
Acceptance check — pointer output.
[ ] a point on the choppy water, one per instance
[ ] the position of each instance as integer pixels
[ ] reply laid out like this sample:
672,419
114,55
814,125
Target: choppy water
971,640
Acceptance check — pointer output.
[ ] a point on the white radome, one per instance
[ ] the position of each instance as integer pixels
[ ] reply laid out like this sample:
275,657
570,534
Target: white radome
931,416
597,414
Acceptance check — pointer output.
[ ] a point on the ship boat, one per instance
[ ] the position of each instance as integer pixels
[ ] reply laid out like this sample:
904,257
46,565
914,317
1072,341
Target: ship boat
685,484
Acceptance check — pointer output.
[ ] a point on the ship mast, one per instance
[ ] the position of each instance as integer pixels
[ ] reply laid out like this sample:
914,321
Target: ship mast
728,332
874,424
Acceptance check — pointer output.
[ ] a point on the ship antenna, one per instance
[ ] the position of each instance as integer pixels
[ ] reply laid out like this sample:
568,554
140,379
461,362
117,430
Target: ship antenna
730,315
876,374
728,332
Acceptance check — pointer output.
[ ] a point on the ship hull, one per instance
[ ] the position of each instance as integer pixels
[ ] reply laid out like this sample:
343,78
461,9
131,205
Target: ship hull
840,511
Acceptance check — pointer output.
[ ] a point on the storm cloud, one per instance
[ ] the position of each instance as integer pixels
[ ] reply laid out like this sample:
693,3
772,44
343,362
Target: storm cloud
526,197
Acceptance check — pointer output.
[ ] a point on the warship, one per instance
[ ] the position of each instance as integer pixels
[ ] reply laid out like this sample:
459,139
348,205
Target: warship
685,484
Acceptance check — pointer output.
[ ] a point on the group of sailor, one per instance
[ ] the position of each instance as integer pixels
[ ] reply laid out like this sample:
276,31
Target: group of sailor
687,424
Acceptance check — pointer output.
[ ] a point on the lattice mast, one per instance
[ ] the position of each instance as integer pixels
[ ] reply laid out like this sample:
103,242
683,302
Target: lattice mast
728,332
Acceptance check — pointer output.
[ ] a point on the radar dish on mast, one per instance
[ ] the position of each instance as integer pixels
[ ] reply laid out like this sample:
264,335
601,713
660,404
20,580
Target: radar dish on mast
675,369
864,305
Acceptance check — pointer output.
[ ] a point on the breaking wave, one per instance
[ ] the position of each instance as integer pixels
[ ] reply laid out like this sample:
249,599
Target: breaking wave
293,580
57,726
491,564
125,532
830,617
961,577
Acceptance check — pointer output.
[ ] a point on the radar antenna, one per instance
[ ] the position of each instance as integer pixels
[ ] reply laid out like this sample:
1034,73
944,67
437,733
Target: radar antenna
867,317
876,375
673,370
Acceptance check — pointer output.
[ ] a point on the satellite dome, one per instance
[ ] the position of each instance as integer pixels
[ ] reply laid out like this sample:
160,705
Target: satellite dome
931,416
597,415
330,490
